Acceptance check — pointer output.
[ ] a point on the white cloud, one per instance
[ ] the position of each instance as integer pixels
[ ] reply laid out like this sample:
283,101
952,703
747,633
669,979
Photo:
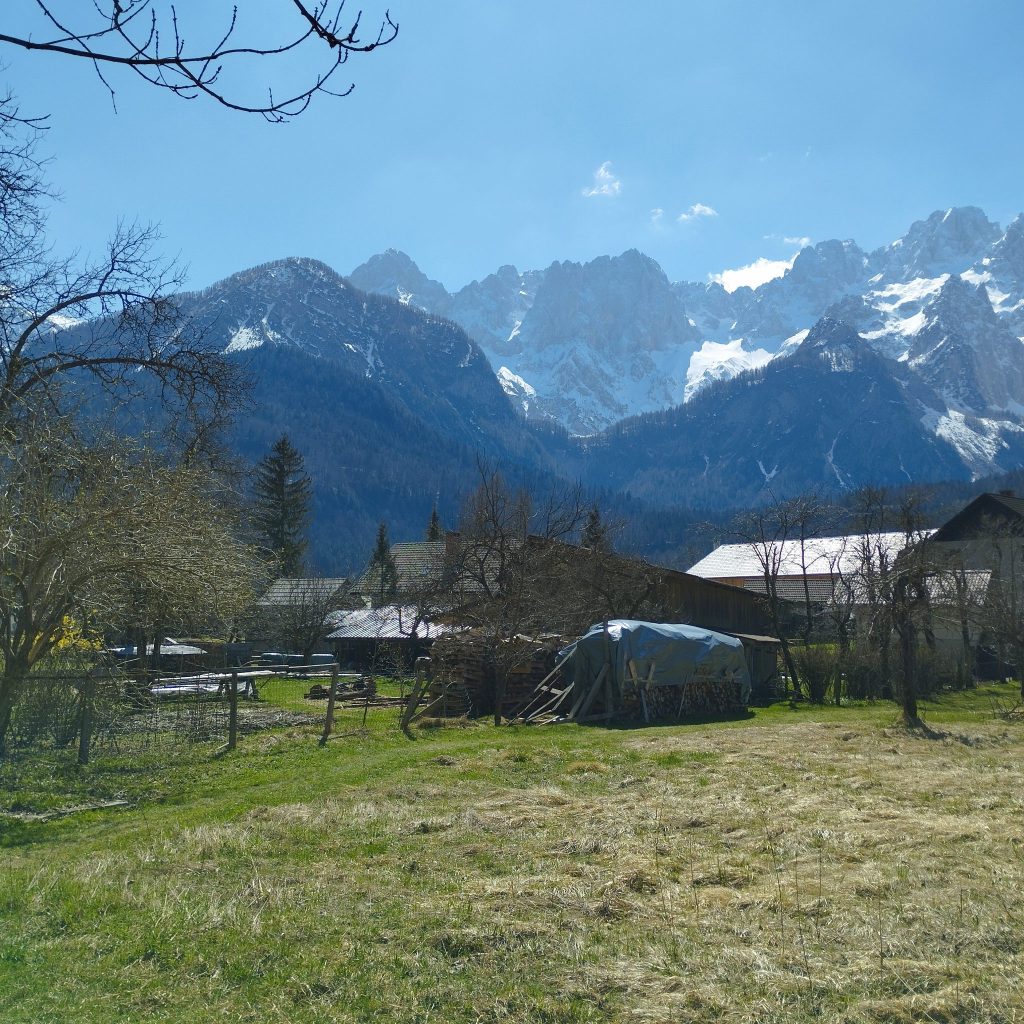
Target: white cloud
753,275
697,210
657,214
605,182
799,240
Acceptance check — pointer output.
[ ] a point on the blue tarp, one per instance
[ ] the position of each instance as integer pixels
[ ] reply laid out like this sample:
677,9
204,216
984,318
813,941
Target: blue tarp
679,654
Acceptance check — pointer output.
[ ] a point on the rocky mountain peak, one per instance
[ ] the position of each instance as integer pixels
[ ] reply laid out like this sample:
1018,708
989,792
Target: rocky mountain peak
831,333
1007,257
947,242
834,262
395,274
960,303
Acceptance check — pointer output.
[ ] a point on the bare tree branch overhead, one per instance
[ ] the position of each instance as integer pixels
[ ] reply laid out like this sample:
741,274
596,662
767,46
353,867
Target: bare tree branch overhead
150,38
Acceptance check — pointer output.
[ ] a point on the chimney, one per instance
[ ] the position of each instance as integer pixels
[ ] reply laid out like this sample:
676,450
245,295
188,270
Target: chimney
1008,494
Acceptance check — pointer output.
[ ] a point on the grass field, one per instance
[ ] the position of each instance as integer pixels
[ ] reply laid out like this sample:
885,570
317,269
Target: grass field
793,865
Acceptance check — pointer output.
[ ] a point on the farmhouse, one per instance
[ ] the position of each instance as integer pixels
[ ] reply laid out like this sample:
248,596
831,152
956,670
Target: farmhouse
978,555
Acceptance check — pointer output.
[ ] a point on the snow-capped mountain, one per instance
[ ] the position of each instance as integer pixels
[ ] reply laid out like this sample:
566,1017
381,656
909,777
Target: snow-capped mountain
588,344
835,415
602,340
948,242
491,311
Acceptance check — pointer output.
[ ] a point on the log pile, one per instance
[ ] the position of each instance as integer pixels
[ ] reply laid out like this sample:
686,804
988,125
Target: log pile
447,699
464,661
531,663
671,703
467,665
363,689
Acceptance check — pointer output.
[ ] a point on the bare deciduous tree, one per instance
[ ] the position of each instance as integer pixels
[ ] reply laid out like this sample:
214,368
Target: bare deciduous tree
765,531
107,320
502,566
86,527
303,616
149,38
910,599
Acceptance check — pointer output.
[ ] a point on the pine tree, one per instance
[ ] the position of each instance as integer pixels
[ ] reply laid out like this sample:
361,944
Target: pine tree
381,560
282,505
434,529
595,532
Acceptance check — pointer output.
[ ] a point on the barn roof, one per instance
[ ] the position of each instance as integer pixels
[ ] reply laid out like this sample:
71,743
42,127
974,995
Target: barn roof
390,622
792,589
418,564
987,514
298,590
824,556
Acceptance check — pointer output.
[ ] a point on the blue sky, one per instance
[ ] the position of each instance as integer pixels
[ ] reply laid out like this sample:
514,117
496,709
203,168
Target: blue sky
523,132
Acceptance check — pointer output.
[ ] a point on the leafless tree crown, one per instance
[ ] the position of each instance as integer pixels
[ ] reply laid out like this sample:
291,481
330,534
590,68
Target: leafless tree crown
149,38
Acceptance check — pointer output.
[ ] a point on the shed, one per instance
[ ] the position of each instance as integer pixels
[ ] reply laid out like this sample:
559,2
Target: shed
393,635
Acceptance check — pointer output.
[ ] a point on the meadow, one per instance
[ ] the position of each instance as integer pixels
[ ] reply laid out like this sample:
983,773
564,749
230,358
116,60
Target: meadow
789,865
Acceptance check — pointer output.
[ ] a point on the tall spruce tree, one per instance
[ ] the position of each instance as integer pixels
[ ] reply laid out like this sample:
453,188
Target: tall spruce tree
386,583
434,529
282,507
595,533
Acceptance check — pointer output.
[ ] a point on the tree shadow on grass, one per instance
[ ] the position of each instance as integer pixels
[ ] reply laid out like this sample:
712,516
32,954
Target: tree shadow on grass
631,724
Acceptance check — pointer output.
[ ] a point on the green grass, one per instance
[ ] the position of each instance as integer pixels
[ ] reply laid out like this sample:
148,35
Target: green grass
793,865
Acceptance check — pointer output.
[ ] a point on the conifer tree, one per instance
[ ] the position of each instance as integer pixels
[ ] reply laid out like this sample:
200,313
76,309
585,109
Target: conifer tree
282,506
595,533
434,529
381,560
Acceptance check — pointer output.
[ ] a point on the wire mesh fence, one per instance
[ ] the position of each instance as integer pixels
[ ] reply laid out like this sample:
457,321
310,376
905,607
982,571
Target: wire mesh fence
86,713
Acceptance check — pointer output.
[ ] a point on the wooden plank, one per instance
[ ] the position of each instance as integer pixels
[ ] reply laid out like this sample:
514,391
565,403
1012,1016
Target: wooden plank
593,691
233,712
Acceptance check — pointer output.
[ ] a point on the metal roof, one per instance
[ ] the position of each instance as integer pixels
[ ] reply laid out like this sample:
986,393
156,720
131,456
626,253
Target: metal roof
945,588
823,556
791,588
390,622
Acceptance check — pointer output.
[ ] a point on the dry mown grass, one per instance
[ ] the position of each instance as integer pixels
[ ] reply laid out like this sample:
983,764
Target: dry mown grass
767,873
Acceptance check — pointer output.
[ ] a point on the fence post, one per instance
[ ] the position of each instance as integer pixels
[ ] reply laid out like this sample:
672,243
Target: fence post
329,720
233,712
85,720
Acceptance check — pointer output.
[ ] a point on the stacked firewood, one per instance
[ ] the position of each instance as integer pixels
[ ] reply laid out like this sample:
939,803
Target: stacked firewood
464,661
698,697
531,663
468,660
446,699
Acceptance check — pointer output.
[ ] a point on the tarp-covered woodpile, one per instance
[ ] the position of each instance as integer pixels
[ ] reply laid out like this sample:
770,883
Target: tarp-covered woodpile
643,670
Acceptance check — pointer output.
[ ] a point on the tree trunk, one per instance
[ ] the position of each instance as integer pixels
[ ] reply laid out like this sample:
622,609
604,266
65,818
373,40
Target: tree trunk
11,682
908,651
6,711
966,673
154,661
500,682
787,654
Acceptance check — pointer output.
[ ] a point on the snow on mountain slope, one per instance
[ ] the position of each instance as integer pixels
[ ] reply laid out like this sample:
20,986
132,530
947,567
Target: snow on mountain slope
586,344
491,311
715,361
603,340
